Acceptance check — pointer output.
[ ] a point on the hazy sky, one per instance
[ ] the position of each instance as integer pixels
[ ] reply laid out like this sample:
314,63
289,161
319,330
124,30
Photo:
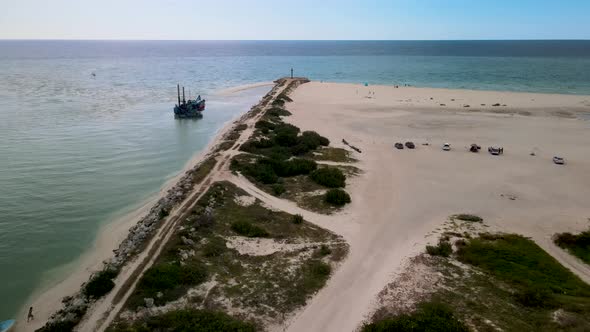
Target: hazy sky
295,19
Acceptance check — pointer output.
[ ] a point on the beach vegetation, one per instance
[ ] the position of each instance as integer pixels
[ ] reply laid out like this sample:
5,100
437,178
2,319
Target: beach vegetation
576,244
214,247
187,320
330,177
100,284
331,154
246,228
278,189
430,316
443,249
171,279
297,219
467,217
337,197
59,326
509,280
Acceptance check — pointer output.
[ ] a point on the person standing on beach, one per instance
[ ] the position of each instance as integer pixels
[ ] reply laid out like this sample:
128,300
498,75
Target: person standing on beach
30,317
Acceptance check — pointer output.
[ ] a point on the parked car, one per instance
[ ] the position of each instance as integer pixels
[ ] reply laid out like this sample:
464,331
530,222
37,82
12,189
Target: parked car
410,145
446,147
494,150
474,148
399,146
558,160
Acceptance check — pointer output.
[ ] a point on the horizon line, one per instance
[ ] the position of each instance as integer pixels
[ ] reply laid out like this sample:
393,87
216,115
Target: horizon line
292,40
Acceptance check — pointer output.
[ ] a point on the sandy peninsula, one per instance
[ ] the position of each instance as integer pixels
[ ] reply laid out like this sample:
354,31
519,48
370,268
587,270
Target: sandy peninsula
402,196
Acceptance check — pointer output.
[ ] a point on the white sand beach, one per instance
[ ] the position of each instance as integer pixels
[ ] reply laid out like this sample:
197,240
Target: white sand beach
404,195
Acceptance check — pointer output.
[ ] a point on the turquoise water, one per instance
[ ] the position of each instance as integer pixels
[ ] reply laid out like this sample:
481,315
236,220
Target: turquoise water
77,151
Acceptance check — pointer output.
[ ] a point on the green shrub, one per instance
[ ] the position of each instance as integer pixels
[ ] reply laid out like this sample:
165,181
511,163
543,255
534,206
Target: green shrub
294,167
241,127
519,261
263,143
536,297
324,250
444,249
308,141
59,326
337,197
163,213
277,111
578,245
262,172
297,219
278,189
100,284
429,317
188,320
167,276
468,217
214,247
329,176
286,134
246,228
263,124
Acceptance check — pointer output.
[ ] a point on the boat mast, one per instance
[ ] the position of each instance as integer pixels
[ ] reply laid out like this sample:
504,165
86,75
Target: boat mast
178,90
183,100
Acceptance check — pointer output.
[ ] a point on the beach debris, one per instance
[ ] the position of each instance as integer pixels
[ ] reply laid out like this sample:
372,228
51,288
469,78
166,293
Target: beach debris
351,146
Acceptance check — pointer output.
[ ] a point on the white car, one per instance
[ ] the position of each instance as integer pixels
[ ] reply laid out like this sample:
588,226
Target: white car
446,147
558,160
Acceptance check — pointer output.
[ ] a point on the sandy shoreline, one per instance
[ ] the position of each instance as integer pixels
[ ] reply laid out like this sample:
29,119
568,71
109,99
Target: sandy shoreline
47,299
402,196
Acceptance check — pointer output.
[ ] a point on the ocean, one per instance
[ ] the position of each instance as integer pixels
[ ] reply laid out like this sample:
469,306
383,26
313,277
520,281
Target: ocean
78,151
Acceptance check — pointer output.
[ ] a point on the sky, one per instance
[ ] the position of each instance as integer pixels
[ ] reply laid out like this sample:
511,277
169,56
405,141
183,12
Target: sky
295,19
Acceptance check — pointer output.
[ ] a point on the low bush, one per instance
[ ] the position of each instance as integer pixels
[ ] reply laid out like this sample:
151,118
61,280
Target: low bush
100,284
241,127
521,262
443,248
468,217
308,141
578,245
337,197
277,111
429,317
167,276
278,189
246,228
297,219
163,213
187,320
59,326
324,250
263,124
535,297
329,176
214,247
286,134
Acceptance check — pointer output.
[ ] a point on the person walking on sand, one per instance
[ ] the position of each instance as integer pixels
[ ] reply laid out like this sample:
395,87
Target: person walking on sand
30,317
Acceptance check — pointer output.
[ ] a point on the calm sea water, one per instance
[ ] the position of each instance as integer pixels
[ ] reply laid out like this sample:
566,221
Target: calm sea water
77,151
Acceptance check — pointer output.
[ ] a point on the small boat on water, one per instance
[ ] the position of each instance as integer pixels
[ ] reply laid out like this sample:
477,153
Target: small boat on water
6,325
188,108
